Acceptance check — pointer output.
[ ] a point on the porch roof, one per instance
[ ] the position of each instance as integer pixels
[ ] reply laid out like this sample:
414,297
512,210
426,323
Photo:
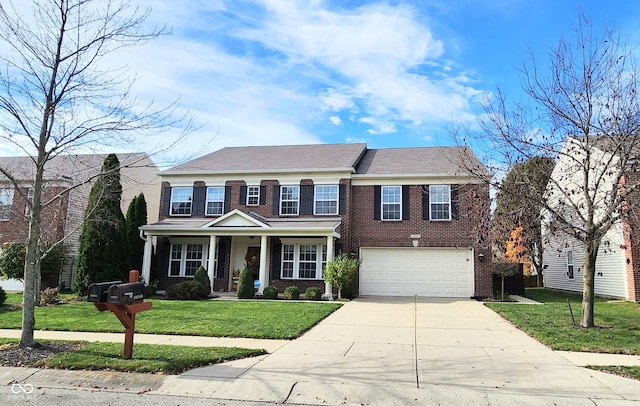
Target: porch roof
239,223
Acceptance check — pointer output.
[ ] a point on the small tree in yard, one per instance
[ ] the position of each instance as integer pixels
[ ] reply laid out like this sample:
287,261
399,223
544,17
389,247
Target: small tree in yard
341,271
58,97
203,279
504,269
581,110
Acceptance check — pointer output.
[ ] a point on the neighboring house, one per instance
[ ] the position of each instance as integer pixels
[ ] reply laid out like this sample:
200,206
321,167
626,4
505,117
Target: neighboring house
618,262
72,176
415,218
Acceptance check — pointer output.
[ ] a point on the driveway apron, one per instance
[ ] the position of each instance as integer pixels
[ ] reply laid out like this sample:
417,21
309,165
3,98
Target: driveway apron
408,351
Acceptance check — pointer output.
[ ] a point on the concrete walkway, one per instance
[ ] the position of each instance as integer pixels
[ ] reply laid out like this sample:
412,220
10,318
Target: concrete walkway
389,351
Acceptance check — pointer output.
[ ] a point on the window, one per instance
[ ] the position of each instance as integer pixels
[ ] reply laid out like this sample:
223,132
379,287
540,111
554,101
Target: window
289,200
186,258
569,257
27,209
6,202
181,198
288,260
253,195
440,202
326,199
391,202
301,261
215,201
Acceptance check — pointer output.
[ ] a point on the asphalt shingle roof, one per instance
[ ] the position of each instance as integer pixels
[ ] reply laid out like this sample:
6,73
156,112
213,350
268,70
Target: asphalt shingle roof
276,158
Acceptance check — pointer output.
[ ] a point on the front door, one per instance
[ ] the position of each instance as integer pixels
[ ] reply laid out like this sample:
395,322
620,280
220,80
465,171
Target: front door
252,259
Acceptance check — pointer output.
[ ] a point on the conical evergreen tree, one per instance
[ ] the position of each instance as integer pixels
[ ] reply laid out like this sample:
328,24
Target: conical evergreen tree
136,217
103,254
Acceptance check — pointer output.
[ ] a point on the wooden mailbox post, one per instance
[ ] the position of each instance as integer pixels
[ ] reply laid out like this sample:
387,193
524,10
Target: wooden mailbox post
125,312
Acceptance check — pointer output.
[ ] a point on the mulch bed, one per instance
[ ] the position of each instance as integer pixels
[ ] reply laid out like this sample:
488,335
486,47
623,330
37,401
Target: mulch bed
11,355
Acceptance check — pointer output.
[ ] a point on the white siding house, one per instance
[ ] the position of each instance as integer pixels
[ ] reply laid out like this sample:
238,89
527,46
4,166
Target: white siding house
564,255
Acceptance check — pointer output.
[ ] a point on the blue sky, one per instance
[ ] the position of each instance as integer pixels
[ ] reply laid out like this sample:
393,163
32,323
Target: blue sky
391,73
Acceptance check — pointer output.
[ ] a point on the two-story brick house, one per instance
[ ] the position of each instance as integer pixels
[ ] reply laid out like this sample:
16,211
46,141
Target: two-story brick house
70,177
413,215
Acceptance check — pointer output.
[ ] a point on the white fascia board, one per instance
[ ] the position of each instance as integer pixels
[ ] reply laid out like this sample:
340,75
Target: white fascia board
243,231
254,178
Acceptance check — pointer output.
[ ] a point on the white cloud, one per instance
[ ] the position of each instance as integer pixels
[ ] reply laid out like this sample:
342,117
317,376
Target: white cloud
335,120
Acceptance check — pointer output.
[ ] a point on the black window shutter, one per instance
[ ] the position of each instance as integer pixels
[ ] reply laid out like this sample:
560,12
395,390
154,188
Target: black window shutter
342,202
263,195
243,195
221,259
199,200
377,196
455,206
166,201
406,203
275,202
306,199
227,199
276,256
425,202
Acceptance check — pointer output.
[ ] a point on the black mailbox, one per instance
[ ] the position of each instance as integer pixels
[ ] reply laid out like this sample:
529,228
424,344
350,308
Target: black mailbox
126,293
97,292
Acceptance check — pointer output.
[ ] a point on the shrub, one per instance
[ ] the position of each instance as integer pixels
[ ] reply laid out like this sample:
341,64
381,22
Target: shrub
245,285
202,278
49,296
188,290
341,272
151,289
270,292
313,293
292,292
3,296
347,292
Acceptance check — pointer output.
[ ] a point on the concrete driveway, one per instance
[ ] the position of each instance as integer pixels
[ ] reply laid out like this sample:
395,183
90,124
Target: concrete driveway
408,351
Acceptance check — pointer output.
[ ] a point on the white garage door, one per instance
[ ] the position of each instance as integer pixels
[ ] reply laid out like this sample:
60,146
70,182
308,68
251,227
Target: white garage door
430,272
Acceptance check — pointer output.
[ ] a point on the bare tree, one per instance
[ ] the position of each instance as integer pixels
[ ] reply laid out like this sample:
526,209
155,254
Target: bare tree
56,96
583,111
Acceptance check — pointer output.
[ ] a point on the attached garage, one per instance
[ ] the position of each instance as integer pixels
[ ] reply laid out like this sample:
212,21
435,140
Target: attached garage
427,272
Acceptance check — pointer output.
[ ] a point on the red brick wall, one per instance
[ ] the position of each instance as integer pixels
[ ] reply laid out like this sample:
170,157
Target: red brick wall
53,217
470,230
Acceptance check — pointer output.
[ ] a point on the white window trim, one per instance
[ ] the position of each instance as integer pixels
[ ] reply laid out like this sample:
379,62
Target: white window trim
207,201
183,258
296,200
9,194
432,203
173,189
382,203
320,260
249,195
316,200
570,262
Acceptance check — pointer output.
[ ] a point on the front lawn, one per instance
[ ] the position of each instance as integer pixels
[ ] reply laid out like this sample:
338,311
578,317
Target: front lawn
147,358
213,318
617,331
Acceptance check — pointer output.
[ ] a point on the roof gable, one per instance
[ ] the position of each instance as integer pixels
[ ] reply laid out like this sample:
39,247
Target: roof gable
236,218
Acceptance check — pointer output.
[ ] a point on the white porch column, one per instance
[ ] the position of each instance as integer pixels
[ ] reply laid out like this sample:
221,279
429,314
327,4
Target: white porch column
263,263
146,259
212,258
328,288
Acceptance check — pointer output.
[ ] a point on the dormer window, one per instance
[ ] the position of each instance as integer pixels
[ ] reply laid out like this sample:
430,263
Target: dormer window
181,198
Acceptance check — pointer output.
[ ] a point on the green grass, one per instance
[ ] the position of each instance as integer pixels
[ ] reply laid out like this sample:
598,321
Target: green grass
627,372
252,318
161,359
617,331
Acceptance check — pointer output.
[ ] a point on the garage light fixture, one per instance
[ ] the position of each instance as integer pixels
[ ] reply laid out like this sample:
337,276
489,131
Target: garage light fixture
481,257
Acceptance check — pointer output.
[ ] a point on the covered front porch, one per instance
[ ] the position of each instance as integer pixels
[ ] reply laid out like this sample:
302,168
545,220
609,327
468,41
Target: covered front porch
276,250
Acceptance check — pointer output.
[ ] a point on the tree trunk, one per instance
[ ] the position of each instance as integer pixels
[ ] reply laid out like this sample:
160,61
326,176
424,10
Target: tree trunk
588,285
502,287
